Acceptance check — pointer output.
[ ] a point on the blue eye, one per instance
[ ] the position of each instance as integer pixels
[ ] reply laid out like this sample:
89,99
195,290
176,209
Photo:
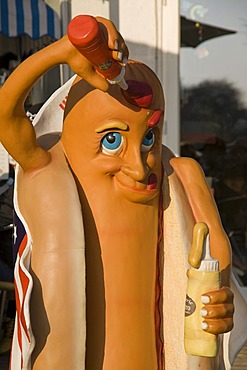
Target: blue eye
148,141
112,143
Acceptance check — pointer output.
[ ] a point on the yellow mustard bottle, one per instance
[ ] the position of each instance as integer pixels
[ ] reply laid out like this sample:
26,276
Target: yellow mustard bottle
203,275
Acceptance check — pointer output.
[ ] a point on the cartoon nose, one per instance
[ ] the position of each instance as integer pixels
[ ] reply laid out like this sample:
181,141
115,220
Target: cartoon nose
136,168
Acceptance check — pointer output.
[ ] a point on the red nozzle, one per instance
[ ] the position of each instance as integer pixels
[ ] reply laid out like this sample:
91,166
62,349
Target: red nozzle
85,34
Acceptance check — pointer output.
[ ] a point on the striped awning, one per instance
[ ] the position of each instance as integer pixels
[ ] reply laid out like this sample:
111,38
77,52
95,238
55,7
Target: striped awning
28,17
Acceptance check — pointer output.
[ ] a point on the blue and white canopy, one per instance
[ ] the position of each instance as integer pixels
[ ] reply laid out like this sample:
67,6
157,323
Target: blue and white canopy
28,17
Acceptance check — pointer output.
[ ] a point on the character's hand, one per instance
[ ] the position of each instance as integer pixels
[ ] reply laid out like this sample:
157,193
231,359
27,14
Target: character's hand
218,311
83,67
116,42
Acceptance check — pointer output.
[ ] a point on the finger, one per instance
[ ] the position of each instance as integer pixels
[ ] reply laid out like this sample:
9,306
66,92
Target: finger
114,39
83,68
222,295
217,311
125,61
96,80
117,55
123,47
112,33
121,57
125,52
217,326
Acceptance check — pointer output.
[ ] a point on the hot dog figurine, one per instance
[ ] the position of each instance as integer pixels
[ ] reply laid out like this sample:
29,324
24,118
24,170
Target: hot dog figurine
109,214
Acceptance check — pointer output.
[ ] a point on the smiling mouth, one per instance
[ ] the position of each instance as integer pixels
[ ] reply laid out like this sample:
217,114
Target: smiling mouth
152,182
140,188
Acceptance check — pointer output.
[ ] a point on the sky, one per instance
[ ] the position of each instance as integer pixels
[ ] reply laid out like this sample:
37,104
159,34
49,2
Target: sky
222,57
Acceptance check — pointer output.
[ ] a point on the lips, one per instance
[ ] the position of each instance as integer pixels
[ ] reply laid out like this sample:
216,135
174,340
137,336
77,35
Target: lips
137,192
132,185
152,182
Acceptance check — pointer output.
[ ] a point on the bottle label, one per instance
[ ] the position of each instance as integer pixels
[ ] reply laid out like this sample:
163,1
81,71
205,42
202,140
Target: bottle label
190,306
105,66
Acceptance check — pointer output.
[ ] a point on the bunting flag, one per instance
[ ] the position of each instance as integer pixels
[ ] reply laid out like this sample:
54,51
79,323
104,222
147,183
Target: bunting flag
28,17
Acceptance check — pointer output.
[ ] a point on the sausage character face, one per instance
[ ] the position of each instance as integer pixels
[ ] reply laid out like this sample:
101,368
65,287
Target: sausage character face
129,153
114,146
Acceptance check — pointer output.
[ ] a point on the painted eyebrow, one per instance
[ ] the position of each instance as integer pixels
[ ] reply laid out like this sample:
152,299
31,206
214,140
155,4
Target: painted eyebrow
111,126
154,119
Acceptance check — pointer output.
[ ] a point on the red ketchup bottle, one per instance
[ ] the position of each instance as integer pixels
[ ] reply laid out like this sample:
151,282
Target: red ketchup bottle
86,35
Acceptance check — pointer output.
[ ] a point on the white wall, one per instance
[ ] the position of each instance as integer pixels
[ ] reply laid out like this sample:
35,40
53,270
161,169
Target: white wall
151,30
169,71
91,7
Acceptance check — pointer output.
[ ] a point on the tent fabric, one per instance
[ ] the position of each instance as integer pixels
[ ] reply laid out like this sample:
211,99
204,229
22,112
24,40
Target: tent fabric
28,17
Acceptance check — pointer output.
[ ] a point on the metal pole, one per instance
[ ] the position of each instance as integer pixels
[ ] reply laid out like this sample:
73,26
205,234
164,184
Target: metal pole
65,14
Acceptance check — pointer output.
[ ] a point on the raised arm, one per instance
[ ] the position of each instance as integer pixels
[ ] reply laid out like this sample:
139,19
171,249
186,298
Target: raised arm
218,304
205,209
16,131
